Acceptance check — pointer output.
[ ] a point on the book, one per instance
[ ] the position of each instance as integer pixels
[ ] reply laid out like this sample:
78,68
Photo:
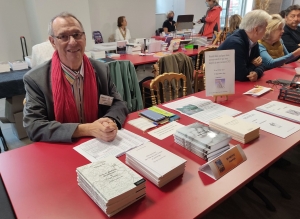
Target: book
282,110
172,117
111,184
155,117
258,90
239,129
4,67
157,164
18,65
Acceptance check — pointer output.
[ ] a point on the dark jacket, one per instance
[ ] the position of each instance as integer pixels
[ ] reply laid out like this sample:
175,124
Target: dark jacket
239,41
291,38
39,119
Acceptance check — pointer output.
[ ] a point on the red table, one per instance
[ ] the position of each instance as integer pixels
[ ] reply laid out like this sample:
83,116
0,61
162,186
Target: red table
41,180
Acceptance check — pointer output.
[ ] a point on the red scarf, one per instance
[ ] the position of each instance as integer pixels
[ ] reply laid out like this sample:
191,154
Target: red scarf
65,109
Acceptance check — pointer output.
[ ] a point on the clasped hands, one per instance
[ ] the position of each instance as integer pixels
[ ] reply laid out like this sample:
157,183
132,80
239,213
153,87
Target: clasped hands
253,75
104,128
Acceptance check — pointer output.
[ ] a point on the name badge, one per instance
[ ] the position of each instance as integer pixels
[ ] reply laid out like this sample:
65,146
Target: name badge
105,100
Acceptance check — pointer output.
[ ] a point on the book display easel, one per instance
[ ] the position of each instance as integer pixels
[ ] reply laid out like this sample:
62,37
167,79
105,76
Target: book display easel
291,92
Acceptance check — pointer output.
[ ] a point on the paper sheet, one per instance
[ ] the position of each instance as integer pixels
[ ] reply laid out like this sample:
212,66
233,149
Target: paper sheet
271,124
202,110
166,130
96,149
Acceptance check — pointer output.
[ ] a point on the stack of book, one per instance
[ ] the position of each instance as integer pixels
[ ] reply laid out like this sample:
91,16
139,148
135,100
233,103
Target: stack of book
239,129
4,67
202,140
156,163
18,65
111,184
97,54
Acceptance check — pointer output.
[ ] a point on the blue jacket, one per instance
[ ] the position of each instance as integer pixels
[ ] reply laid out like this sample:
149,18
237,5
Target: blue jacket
239,41
269,62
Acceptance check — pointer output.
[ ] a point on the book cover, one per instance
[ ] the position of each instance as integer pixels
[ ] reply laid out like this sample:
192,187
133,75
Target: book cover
149,114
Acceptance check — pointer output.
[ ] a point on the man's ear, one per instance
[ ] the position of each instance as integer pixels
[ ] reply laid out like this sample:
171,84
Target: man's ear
51,39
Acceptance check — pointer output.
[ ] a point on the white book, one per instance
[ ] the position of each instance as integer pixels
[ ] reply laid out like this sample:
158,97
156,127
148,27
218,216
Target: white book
4,67
18,65
271,124
257,91
156,160
282,110
111,179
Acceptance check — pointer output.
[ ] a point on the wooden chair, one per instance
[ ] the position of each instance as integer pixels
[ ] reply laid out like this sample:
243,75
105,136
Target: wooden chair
199,73
162,84
220,37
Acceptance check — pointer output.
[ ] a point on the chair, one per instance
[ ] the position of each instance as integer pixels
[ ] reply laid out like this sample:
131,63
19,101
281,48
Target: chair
158,31
146,84
199,73
168,92
220,37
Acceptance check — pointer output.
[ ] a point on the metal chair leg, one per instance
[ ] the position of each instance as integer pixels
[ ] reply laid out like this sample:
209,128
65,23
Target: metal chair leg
266,176
269,205
3,140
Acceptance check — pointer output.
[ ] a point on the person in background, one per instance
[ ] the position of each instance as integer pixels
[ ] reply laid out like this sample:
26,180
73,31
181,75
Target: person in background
234,23
169,24
211,21
291,35
272,49
282,13
122,32
248,63
71,96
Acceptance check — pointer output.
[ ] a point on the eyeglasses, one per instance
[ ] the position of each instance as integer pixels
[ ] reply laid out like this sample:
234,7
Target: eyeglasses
66,38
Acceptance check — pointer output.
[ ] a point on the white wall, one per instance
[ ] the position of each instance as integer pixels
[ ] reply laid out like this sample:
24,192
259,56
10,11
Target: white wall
163,6
140,16
13,24
287,3
198,9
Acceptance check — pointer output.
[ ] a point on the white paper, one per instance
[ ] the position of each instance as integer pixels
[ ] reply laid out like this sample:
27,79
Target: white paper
96,149
166,130
257,91
283,110
202,110
142,123
219,72
271,124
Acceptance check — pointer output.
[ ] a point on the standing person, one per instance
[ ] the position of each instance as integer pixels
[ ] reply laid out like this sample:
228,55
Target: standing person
291,35
248,63
122,32
272,49
234,24
71,96
211,21
169,24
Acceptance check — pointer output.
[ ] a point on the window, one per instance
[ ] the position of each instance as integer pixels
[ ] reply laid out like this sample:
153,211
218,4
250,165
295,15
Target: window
231,7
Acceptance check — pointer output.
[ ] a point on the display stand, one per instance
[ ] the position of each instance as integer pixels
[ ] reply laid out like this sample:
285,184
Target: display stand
220,95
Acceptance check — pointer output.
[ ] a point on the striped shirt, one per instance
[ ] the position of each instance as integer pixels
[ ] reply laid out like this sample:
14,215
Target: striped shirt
75,78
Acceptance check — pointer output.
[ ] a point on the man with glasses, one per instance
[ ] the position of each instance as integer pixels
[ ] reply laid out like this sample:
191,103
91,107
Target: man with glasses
71,96
291,35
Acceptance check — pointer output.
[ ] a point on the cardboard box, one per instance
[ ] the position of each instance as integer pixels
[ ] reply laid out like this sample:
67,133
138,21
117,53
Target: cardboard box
13,105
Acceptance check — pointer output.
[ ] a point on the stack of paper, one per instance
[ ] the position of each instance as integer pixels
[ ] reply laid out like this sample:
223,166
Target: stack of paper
156,163
111,184
202,140
98,54
4,67
18,65
239,129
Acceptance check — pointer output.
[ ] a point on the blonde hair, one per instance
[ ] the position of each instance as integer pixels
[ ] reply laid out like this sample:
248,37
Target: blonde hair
273,25
169,13
234,22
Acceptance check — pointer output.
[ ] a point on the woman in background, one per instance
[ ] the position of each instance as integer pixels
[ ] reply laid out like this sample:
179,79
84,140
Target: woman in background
169,24
234,23
272,49
122,33
211,21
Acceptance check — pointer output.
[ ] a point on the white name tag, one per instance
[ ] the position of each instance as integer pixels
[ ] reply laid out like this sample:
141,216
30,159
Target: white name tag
105,100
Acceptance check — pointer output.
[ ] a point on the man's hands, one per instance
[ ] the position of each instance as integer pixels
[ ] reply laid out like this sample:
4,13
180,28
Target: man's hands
103,128
257,62
252,76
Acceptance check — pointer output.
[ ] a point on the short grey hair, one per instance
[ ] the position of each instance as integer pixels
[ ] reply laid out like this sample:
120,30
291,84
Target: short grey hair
253,19
61,15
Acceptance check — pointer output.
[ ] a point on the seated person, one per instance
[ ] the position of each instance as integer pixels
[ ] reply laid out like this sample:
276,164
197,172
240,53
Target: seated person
244,42
41,53
234,23
272,49
68,96
291,35
169,24
122,32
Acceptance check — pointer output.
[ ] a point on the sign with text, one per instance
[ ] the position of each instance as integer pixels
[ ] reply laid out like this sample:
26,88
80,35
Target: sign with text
227,161
219,72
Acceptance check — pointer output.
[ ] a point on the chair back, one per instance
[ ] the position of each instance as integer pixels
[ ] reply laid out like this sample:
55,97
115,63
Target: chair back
200,68
220,37
162,85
